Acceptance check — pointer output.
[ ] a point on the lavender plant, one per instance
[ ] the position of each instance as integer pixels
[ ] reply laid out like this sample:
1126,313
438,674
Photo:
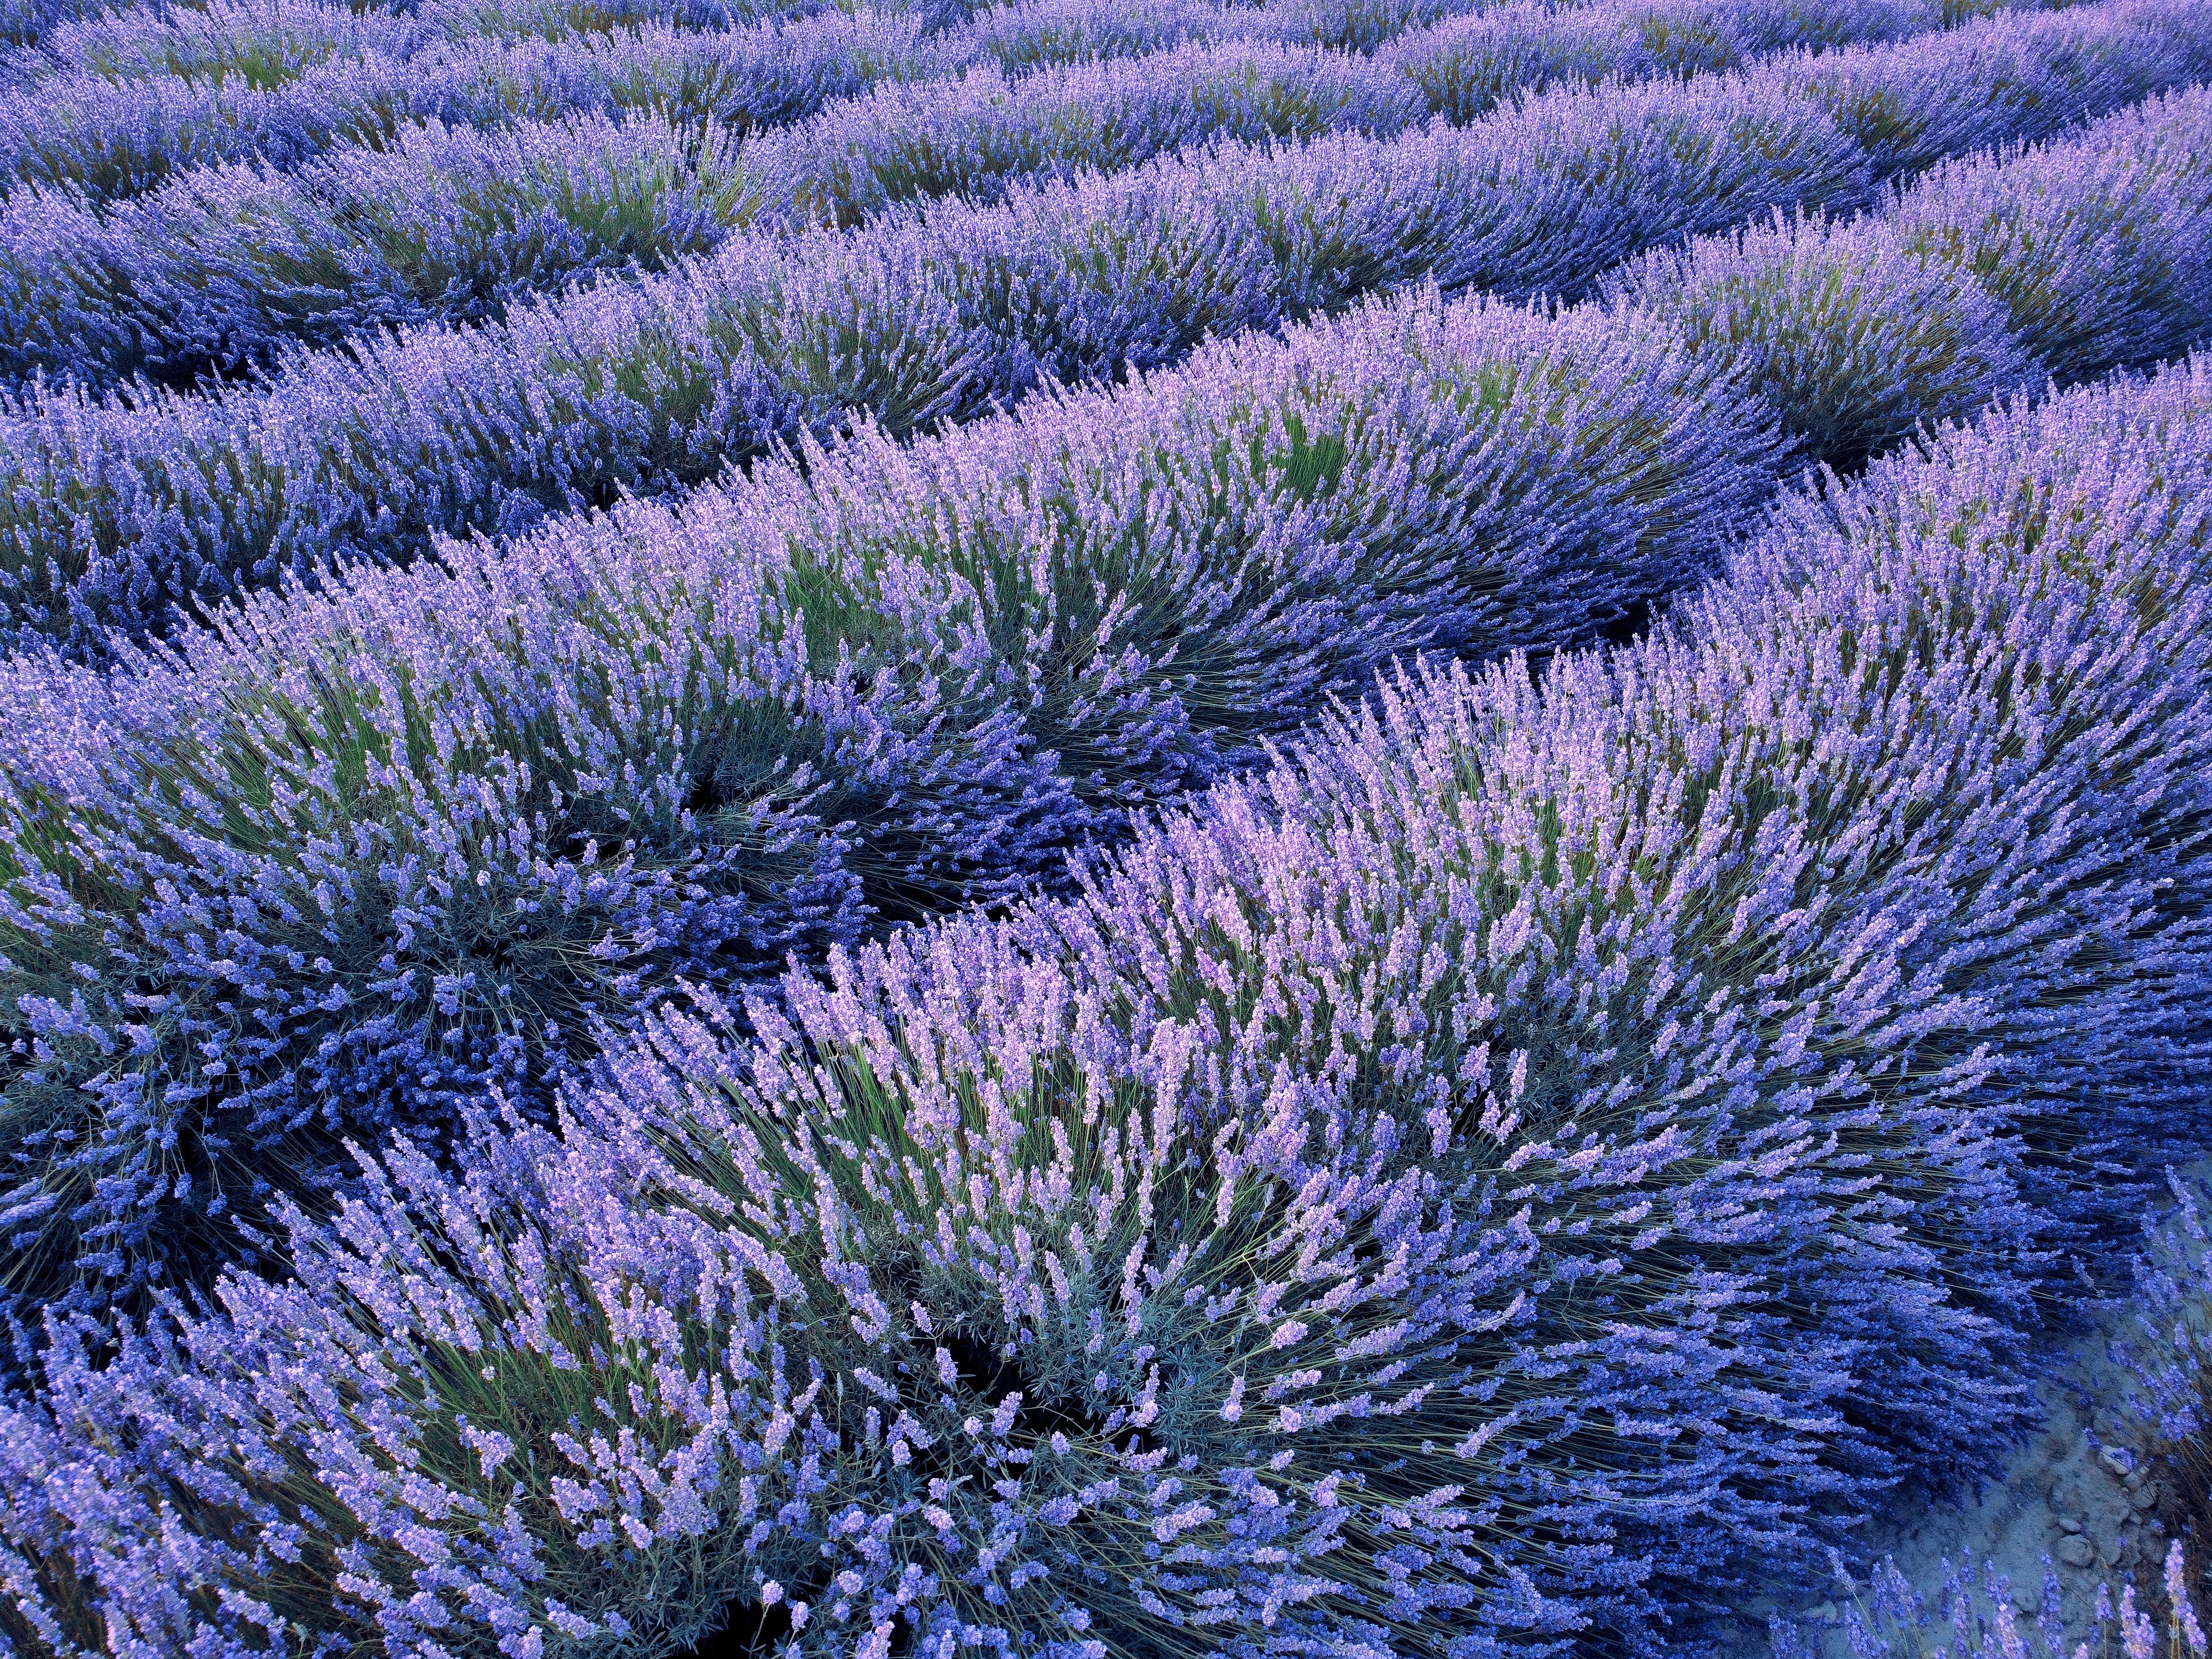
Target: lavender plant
1468,66
1027,35
2067,260
259,43
127,514
1538,1153
2095,255
1854,339
977,136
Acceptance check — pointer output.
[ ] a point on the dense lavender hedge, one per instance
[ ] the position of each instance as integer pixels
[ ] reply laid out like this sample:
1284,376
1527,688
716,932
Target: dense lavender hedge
80,129
978,136
355,858
2068,262
205,276
267,43
1533,1159
126,515
86,135
217,271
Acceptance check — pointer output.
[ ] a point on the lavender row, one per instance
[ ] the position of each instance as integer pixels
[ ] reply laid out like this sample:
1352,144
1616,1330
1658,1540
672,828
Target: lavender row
356,858
979,136
216,272
267,43
209,276
1534,1165
87,136
126,515
84,132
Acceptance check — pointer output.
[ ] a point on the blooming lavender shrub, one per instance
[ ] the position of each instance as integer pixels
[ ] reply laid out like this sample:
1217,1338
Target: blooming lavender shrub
2099,258
1855,340
1534,1158
2068,260
977,135
259,43
128,513
1468,66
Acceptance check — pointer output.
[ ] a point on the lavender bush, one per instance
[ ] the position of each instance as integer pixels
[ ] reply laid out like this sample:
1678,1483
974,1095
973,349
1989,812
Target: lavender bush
259,43
128,513
2097,258
1854,339
977,135
1535,1158
2070,261
1468,66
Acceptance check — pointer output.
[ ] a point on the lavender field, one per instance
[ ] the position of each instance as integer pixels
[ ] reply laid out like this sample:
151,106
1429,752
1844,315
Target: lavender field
1099,828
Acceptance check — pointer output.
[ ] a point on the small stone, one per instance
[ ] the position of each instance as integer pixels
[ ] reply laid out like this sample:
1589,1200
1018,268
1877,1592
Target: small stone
1826,1614
2068,1525
2116,1465
2076,1551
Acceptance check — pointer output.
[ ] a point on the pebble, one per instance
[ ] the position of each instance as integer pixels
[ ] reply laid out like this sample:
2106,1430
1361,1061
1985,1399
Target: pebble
2068,1525
2076,1551
2118,1466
